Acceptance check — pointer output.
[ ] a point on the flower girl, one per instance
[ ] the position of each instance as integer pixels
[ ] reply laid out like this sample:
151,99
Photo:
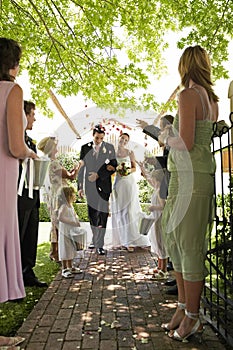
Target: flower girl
155,179
69,230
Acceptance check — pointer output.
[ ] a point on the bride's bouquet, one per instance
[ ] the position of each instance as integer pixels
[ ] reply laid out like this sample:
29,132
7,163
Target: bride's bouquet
122,169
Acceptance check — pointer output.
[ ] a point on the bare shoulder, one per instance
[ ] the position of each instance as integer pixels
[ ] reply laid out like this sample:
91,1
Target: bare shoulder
215,111
187,94
16,89
16,95
131,154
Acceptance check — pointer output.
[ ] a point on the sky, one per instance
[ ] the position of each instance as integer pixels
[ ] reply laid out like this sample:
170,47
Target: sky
161,88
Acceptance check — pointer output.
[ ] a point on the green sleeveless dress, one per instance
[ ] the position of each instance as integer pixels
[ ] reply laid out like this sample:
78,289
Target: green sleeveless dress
188,211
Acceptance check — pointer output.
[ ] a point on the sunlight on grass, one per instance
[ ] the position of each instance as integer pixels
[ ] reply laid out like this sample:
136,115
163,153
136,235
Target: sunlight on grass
13,314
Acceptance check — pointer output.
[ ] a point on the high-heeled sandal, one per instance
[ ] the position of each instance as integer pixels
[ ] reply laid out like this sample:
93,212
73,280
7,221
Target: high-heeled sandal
160,275
13,341
165,326
195,330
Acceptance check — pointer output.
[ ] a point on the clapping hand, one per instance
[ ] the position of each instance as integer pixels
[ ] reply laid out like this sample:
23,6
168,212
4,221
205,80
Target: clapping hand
164,134
74,172
141,123
142,168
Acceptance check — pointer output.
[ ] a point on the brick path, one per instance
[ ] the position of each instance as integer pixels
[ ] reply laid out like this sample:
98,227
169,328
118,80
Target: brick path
112,305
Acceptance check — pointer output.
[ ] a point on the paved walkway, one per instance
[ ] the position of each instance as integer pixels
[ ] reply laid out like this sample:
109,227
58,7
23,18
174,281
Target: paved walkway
112,305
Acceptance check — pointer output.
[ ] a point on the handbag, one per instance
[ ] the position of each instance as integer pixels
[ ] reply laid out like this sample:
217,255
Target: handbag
79,237
145,224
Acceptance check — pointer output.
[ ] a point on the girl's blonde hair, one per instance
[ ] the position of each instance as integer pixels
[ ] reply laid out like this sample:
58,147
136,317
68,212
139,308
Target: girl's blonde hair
157,175
47,144
65,194
195,64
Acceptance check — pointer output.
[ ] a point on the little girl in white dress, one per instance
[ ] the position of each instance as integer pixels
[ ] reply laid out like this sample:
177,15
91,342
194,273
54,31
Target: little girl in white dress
155,235
69,227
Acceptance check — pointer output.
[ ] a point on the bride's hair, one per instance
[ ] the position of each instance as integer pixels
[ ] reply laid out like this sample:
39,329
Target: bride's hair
124,133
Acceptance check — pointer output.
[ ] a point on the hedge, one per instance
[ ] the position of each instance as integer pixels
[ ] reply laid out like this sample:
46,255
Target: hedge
80,209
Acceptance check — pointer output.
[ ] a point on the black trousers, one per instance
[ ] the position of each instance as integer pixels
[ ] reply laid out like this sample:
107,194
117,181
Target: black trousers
98,211
28,217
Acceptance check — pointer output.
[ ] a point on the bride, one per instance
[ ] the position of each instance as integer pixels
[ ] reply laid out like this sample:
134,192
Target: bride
125,204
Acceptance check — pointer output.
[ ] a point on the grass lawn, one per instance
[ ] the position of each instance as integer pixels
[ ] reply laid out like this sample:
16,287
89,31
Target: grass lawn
13,314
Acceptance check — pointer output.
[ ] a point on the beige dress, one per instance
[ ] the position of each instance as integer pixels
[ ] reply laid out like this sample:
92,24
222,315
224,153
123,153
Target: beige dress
56,181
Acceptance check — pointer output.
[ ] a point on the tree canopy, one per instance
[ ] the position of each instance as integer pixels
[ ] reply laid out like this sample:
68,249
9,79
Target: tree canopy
109,50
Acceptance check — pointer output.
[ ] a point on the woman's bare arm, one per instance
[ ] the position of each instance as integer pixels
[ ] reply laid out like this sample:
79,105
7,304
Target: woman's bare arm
15,127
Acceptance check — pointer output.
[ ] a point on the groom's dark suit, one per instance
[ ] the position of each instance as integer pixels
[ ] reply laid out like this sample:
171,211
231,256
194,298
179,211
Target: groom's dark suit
97,192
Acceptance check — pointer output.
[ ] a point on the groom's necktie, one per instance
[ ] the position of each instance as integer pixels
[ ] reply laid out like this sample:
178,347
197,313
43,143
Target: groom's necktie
96,150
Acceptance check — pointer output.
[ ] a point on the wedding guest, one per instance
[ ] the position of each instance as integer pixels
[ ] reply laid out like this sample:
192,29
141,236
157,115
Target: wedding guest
98,163
68,225
58,177
159,162
12,148
125,205
28,214
187,215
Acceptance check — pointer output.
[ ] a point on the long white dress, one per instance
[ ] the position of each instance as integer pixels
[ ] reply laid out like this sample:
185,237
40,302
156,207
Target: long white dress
126,211
155,233
67,249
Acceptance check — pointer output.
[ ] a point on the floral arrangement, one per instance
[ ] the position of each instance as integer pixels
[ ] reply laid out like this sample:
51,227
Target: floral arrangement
122,169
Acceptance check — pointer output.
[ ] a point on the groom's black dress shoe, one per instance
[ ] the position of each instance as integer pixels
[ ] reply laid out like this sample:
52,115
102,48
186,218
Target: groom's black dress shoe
100,251
172,290
170,282
34,282
170,266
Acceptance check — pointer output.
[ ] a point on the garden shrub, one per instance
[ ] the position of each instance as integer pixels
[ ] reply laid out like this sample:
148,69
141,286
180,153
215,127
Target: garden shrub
44,213
81,210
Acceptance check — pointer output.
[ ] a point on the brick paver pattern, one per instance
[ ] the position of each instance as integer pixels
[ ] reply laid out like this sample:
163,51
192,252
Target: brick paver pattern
112,305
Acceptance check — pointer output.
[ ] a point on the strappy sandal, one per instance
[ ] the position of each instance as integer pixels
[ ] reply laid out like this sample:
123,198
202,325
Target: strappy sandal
66,273
130,249
160,275
13,341
165,326
75,269
195,330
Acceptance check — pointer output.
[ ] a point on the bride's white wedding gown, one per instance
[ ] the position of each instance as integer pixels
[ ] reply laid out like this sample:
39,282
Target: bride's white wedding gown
126,211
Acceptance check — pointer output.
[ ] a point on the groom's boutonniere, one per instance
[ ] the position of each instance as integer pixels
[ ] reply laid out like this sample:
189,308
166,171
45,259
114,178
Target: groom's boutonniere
104,150
107,161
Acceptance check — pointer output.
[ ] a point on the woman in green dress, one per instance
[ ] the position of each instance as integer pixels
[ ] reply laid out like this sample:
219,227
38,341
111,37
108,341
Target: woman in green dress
188,211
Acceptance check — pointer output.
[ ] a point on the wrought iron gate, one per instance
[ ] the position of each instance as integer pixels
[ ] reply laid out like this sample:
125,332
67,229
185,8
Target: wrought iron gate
218,291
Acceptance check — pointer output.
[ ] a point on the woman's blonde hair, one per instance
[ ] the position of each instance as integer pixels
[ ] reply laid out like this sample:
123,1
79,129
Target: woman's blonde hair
195,64
47,145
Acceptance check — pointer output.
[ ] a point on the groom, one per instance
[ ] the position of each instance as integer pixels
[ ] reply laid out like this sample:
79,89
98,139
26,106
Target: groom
98,161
